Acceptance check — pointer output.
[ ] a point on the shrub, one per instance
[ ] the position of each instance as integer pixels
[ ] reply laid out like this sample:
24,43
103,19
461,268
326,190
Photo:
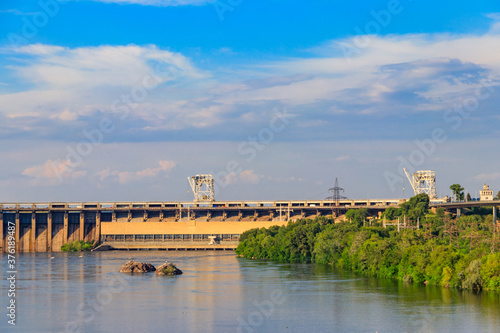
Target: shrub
473,279
76,246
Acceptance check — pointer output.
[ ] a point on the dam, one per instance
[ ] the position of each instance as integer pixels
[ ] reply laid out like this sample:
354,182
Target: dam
211,225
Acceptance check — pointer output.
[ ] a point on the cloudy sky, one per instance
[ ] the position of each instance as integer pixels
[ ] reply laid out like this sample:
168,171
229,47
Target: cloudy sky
113,100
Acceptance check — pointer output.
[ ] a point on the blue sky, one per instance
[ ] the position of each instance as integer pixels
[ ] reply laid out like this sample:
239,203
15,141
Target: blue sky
122,100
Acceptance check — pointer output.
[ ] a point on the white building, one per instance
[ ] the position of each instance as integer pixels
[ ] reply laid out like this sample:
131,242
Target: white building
486,194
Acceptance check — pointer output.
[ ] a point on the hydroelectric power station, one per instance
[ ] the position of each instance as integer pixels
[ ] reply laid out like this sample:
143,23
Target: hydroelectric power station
202,224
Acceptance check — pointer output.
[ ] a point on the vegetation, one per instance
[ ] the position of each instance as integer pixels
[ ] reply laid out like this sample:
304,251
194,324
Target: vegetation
462,253
458,192
76,246
357,216
415,208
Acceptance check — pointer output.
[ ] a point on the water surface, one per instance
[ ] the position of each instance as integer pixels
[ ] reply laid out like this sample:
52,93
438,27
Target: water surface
221,293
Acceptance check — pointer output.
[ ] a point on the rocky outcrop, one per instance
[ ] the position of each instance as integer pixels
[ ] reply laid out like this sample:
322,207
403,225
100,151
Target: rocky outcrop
168,269
137,267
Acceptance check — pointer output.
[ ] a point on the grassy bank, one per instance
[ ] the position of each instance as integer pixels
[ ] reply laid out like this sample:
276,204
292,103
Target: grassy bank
460,253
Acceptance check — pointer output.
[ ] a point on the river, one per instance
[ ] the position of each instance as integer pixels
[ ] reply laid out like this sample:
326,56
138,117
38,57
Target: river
218,292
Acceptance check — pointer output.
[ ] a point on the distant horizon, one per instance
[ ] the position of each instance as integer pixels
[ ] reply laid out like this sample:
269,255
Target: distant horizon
124,99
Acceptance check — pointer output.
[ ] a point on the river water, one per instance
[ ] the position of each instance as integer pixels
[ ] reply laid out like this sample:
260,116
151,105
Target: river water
219,292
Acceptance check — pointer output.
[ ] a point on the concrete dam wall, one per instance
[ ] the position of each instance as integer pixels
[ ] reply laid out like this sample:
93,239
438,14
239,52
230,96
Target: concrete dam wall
45,227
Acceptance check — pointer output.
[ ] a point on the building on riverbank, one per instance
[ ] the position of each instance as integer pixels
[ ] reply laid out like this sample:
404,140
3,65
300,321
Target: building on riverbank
486,194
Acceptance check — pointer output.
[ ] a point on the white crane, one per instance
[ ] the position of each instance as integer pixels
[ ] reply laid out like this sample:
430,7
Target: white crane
423,181
203,187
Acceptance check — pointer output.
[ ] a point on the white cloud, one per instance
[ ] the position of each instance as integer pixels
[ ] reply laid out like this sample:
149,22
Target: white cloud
91,79
244,177
40,49
93,67
487,176
250,177
66,115
360,79
53,172
124,177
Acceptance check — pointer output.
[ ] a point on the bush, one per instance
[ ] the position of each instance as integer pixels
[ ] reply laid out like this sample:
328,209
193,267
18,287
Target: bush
408,279
76,246
473,279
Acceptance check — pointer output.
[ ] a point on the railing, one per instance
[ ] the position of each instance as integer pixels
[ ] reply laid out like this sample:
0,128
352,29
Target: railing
212,204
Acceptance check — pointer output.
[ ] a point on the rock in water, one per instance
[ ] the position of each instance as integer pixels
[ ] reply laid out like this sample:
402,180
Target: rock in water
137,267
168,269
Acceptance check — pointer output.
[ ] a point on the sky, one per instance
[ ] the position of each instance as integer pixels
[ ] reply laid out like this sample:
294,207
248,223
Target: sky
122,100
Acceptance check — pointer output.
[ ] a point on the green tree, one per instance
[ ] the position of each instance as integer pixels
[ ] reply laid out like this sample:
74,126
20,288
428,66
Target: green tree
468,197
357,215
458,192
416,207
498,196
390,213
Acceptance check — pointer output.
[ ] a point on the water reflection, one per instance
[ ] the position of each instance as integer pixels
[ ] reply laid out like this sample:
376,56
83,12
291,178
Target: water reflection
221,293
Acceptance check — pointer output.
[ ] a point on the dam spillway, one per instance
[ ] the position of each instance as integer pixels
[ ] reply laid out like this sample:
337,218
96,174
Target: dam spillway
45,227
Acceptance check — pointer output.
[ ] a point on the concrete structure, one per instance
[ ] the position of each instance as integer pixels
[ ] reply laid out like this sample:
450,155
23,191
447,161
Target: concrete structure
45,227
486,194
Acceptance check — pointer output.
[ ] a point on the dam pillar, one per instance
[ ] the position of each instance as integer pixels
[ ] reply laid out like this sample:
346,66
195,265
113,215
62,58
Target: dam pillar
98,226
65,228
18,232
2,243
459,212
494,215
82,226
33,232
49,232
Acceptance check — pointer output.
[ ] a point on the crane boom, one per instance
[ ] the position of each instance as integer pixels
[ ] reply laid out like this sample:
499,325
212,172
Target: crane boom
410,180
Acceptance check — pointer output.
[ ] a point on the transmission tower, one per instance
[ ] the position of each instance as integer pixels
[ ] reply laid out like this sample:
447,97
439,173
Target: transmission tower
203,187
336,195
336,192
423,182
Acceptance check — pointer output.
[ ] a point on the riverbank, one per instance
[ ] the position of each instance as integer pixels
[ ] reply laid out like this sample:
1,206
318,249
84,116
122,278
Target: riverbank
466,257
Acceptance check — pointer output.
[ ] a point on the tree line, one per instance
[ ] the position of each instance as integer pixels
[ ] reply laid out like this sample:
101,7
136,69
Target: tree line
462,253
